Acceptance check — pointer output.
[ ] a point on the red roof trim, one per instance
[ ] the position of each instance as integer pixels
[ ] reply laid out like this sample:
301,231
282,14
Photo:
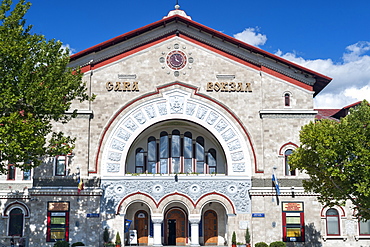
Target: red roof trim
324,80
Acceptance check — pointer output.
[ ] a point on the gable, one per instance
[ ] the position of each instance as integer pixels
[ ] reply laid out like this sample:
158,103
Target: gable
212,40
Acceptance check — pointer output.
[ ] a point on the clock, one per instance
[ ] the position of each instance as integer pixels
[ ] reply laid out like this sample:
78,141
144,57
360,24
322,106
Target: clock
176,60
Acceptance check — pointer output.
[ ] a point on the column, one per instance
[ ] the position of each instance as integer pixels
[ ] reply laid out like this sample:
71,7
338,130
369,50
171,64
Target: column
194,232
157,231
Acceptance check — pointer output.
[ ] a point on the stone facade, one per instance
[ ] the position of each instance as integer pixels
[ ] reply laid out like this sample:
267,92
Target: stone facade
180,80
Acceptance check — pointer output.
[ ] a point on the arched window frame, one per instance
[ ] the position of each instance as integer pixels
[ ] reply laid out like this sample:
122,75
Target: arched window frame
282,153
341,216
287,99
16,205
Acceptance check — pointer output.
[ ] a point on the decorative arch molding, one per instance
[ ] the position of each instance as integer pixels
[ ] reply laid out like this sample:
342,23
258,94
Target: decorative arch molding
340,209
288,145
16,204
176,103
136,197
165,202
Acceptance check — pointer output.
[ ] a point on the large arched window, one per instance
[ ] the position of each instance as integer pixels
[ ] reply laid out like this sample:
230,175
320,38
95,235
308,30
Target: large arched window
288,170
332,222
16,217
176,151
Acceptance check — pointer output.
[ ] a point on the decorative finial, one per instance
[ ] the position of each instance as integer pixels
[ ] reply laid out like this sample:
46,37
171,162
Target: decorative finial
177,6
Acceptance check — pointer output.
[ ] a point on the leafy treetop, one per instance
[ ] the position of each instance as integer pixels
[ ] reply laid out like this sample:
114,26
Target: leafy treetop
336,155
36,90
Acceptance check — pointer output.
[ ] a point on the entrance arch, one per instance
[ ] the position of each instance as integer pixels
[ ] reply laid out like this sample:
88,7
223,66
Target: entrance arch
176,224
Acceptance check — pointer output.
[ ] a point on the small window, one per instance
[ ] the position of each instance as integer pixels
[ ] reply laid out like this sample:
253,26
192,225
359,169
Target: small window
288,170
287,99
364,227
11,172
60,165
16,222
27,174
332,222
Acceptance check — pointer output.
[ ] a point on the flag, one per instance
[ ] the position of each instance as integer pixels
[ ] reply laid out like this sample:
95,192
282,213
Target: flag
80,185
275,181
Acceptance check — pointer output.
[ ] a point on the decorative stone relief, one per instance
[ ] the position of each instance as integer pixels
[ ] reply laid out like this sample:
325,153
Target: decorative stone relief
118,145
236,191
181,103
112,167
176,104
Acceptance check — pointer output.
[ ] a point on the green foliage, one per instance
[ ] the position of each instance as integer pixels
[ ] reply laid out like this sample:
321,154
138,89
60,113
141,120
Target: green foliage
118,238
106,235
261,244
247,236
336,155
61,244
36,90
233,238
78,244
278,244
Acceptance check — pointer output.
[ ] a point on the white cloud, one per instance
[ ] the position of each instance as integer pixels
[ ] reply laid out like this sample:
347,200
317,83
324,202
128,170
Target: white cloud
71,50
250,36
351,78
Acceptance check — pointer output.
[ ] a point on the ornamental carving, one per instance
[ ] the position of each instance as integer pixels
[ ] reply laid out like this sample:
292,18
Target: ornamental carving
236,191
180,103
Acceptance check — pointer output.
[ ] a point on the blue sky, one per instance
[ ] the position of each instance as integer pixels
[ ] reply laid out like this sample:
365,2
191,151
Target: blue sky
331,37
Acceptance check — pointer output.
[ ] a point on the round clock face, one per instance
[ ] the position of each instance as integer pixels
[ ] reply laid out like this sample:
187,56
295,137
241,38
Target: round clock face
176,60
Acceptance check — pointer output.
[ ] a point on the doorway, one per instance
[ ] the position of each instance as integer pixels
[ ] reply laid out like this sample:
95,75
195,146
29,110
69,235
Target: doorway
141,226
210,227
176,227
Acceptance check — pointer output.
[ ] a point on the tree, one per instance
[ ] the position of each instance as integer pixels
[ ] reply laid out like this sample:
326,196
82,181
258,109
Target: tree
36,90
336,155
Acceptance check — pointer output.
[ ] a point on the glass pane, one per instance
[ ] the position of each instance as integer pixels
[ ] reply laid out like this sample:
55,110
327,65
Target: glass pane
139,169
139,160
58,220
212,157
212,170
60,166
364,227
188,146
58,233
175,165
199,152
11,172
175,147
164,165
163,145
151,167
200,167
188,165
27,174
293,232
293,220
333,227
332,211
152,149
